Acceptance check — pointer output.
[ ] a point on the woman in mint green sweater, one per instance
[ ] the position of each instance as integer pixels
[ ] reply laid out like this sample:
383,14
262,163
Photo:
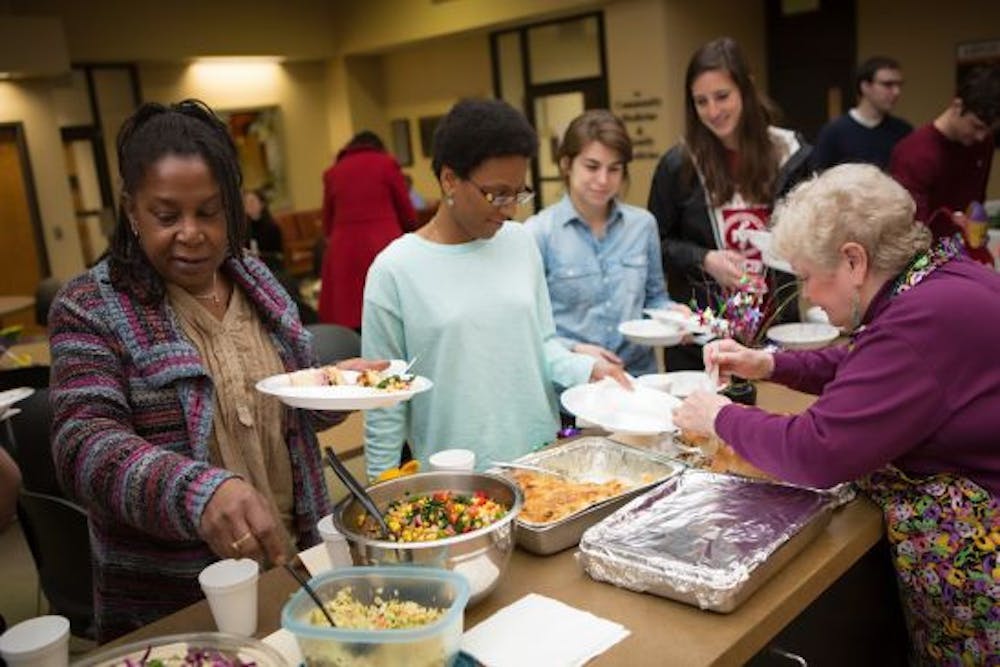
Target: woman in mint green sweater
466,294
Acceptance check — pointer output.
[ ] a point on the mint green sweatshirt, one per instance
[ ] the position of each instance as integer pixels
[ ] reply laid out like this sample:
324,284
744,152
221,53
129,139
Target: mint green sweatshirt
478,317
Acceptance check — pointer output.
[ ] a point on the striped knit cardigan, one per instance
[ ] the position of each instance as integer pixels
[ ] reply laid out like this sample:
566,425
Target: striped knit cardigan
133,410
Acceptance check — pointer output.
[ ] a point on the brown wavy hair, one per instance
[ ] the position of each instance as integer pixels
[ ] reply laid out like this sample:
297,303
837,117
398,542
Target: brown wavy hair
758,165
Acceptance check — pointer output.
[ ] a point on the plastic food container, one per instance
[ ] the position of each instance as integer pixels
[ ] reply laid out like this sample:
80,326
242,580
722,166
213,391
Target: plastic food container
172,650
435,644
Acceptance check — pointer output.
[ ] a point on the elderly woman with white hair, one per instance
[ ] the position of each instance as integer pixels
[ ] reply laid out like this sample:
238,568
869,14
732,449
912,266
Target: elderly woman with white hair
910,409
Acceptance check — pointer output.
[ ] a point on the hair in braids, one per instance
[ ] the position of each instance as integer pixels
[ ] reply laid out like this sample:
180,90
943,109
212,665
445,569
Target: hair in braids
155,131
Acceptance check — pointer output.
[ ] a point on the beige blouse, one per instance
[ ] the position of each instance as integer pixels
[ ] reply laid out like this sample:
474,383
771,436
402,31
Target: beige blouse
247,435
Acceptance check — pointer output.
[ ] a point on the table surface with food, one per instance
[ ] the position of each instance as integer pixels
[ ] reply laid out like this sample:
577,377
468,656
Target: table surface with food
543,565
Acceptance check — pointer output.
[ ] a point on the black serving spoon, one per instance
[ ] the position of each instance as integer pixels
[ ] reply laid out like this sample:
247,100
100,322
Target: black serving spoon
357,491
309,589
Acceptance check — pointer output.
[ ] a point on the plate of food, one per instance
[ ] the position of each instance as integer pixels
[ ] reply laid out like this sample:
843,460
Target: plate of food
688,322
204,649
640,411
680,383
652,332
331,388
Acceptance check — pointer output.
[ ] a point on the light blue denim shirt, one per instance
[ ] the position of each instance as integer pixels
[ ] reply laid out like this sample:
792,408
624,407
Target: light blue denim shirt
596,284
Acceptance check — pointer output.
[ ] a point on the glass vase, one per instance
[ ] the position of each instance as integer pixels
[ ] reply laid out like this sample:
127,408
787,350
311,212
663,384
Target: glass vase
741,390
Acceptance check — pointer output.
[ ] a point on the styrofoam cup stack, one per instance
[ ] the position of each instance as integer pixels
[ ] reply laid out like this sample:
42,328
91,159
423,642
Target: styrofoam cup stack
336,544
37,642
231,589
453,459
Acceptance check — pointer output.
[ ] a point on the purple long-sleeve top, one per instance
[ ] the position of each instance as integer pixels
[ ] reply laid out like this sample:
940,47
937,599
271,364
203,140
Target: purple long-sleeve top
918,388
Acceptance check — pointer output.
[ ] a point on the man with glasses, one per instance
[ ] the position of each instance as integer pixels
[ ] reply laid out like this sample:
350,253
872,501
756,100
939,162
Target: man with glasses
866,133
945,164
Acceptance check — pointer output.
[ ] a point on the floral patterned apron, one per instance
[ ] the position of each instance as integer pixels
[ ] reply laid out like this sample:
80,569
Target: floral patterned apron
944,534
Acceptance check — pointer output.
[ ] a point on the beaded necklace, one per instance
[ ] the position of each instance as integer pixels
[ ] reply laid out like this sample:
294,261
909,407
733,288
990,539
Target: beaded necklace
926,263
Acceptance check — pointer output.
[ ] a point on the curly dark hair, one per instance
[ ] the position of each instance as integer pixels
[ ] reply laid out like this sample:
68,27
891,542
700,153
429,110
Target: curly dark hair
475,130
979,91
188,128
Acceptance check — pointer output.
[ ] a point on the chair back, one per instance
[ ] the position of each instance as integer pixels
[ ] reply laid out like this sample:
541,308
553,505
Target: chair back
35,376
31,444
58,536
57,531
333,343
45,293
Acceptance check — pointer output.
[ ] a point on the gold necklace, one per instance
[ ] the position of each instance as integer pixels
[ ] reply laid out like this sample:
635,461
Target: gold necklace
211,295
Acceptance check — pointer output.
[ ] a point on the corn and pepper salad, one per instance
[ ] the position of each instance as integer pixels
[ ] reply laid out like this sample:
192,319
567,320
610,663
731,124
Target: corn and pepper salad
381,614
439,515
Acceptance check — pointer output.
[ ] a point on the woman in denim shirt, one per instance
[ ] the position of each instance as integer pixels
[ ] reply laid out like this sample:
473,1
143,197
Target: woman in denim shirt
602,256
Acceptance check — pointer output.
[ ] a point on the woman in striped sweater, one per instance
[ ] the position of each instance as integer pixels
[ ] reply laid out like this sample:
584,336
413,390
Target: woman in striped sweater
156,350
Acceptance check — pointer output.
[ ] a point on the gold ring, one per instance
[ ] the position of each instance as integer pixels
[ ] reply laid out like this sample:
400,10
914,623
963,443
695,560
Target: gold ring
240,540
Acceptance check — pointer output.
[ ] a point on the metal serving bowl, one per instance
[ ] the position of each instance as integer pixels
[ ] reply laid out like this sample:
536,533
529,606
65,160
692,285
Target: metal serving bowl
481,555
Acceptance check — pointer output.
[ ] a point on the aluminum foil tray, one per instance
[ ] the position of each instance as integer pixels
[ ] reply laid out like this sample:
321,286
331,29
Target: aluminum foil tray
591,459
702,538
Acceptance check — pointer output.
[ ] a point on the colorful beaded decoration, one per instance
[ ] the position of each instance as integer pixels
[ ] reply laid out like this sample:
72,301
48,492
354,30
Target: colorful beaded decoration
924,264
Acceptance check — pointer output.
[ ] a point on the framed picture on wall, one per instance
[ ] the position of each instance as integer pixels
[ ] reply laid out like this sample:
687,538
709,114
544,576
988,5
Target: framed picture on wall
400,130
260,148
976,54
427,126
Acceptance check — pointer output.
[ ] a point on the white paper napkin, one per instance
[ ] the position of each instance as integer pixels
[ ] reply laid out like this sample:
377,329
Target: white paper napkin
537,630
284,643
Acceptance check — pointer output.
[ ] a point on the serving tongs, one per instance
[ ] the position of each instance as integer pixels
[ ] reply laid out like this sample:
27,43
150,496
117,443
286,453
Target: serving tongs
358,492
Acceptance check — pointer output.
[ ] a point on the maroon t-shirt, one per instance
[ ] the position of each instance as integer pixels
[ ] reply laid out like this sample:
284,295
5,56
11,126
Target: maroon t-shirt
940,173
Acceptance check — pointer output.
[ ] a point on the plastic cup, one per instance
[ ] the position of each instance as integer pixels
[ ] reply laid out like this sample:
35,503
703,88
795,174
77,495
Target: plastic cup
231,589
37,642
975,232
336,544
453,459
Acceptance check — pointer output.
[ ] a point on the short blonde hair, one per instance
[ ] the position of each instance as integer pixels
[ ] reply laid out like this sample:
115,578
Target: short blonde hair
850,202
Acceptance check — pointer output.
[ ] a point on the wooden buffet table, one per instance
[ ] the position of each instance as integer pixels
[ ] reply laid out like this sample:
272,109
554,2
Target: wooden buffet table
663,632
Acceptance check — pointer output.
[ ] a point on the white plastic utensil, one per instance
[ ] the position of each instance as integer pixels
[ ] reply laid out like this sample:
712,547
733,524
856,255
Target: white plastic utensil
528,466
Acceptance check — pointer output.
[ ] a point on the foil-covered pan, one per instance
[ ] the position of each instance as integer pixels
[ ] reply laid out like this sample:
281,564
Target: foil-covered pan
702,538
590,459
693,457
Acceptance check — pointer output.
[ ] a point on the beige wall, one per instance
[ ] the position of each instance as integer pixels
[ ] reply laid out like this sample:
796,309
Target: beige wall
30,103
426,80
299,88
111,30
924,42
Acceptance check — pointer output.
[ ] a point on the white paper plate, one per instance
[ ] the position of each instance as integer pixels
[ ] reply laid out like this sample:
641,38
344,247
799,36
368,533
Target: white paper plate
12,396
642,411
761,240
679,383
651,332
687,323
803,335
342,397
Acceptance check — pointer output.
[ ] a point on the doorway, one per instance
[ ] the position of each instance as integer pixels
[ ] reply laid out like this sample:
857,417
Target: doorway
811,53
22,244
86,169
552,71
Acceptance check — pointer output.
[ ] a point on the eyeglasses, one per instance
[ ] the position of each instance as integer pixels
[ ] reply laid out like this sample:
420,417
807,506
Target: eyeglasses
521,197
891,83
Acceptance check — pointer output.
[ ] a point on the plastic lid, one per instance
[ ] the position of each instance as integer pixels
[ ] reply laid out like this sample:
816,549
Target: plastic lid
33,635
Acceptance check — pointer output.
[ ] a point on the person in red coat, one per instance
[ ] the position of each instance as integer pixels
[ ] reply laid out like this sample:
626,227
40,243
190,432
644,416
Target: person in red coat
365,207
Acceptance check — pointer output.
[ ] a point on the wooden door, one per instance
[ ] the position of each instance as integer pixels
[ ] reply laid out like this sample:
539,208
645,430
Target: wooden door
22,255
811,52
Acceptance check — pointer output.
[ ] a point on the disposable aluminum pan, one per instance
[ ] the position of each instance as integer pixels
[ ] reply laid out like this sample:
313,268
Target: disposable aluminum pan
704,539
591,459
